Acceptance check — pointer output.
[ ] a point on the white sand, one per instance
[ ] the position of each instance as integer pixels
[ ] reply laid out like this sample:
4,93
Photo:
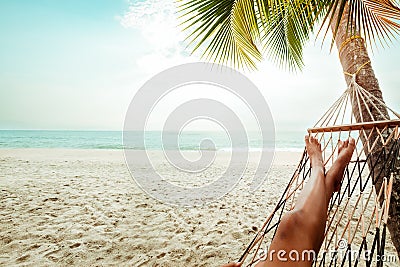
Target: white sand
81,207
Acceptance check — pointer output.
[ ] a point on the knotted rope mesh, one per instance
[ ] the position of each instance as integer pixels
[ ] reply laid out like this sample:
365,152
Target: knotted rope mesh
355,231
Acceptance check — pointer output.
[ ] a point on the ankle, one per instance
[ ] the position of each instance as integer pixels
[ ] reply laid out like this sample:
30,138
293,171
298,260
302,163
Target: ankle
317,163
318,167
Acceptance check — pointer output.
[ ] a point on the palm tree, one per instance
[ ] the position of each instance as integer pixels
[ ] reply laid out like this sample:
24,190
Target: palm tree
240,32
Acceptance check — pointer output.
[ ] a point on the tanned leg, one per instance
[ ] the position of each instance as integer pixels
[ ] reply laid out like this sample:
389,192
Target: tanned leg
302,229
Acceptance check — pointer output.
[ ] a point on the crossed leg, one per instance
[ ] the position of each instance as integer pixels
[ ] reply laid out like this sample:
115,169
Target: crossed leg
301,231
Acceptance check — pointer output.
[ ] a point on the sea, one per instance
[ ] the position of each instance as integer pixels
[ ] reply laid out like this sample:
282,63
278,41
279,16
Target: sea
188,140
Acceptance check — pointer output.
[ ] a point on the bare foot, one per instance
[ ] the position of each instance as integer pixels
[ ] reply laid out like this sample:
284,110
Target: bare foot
314,151
345,151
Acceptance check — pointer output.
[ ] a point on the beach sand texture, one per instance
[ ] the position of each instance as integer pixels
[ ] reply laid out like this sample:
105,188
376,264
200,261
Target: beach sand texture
81,207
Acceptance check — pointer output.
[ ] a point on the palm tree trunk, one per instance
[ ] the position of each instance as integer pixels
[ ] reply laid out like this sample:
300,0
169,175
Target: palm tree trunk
354,55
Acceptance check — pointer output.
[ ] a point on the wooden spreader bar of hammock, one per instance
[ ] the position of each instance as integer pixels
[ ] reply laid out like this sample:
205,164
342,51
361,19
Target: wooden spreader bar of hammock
356,126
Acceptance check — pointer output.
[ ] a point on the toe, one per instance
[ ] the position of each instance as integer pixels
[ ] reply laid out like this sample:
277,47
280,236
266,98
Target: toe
307,139
314,140
317,142
346,143
352,142
340,145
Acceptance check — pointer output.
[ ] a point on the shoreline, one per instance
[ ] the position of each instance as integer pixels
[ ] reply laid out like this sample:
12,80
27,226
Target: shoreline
280,157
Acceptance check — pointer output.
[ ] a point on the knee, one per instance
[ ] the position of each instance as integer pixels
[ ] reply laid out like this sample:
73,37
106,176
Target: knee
291,223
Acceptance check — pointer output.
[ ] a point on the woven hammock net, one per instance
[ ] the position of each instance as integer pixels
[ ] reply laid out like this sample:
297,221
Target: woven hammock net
355,232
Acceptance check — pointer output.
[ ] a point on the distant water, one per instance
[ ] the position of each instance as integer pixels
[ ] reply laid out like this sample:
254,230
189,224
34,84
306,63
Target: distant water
284,141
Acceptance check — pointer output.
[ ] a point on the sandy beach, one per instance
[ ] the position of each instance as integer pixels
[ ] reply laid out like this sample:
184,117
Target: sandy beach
81,207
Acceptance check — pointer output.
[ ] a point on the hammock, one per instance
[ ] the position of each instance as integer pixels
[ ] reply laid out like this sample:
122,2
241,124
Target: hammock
355,232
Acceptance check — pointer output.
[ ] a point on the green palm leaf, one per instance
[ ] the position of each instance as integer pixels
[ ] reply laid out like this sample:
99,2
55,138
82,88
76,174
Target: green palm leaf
229,29
287,31
371,19
233,32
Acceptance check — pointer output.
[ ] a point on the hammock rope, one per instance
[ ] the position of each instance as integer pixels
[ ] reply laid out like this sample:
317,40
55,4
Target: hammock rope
348,40
362,204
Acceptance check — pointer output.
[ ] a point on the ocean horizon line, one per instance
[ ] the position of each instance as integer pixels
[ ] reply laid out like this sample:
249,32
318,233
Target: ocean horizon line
188,140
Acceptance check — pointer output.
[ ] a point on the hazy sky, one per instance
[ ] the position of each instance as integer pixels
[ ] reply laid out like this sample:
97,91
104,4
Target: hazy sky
77,64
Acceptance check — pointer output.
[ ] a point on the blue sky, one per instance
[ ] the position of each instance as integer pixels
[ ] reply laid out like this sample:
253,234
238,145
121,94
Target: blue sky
62,61
77,64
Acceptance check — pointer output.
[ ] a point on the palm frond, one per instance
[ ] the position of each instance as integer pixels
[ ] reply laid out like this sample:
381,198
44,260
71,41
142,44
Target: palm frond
233,31
228,29
289,28
372,19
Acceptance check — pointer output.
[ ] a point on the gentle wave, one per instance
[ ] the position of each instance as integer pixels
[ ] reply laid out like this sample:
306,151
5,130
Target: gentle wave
285,141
